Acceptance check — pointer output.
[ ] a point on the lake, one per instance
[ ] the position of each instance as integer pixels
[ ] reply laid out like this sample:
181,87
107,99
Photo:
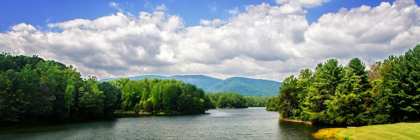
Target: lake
250,123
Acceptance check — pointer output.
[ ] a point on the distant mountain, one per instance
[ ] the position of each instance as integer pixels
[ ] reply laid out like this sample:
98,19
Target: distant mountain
200,81
241,85
246,86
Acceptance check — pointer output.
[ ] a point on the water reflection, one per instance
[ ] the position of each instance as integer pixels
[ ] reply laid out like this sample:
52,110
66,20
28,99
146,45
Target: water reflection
252,123
293,130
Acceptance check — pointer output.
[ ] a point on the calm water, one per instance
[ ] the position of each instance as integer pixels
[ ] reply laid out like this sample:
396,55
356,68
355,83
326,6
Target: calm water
251,123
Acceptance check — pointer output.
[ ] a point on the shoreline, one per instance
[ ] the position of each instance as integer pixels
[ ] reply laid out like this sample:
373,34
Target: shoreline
297,121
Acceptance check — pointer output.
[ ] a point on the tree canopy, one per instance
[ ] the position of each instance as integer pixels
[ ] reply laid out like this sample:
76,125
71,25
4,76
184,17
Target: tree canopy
351,95
35,90
228,100
161,96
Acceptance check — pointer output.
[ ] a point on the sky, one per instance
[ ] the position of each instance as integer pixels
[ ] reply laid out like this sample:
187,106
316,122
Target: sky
264,39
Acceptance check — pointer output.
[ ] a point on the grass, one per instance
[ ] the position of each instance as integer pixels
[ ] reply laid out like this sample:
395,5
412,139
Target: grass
328,134
398,131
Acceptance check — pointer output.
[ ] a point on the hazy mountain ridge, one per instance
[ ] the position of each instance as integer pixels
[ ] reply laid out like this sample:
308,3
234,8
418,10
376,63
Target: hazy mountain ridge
241,85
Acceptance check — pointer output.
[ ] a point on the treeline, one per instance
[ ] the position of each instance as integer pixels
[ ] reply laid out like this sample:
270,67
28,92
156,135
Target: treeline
388,92
35,90
157,96
272,104
234,100
253,101
228,100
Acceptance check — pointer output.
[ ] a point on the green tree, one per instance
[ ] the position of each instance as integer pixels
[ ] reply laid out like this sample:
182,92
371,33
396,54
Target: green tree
229,100
402,84
349,103
326,79
287,100
170,92
110,92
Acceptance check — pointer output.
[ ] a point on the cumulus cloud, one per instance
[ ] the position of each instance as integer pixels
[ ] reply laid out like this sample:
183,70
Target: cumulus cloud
365,31
205,22
264,41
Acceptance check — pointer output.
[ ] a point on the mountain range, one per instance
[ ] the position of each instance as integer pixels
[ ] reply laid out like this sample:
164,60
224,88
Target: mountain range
241,85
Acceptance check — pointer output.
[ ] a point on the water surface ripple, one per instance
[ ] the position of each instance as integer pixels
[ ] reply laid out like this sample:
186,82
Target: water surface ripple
250,123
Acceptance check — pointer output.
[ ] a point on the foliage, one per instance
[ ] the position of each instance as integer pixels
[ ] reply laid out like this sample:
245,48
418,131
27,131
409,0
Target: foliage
228,100
253,101
161,96
35,90
272,104
387,93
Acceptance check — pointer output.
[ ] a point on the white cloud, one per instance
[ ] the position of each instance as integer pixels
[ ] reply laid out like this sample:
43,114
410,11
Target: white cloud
161,7
269,42
48,20
302,3
116,6
234,11
365,31
214,22
205,22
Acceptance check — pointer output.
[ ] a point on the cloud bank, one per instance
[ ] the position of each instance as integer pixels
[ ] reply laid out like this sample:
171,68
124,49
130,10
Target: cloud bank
269,42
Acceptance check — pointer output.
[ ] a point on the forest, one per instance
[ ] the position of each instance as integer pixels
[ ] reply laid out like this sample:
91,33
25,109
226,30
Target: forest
272,104
387,92
35,90
156,96
228,100
253,101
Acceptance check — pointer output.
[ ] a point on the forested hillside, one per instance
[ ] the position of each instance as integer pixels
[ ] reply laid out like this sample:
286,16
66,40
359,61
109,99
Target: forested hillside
388,92
240,85
246,86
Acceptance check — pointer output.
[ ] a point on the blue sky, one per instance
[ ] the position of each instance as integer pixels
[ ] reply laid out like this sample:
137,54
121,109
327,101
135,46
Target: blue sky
41,12
269,39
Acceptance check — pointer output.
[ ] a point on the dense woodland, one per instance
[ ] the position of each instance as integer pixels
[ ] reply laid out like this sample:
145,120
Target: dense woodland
253,101
228,100
388,92
235,100
272,104
35,90
157,96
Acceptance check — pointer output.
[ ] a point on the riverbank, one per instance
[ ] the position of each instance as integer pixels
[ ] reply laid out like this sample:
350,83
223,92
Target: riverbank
297,121
122,113
406,131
